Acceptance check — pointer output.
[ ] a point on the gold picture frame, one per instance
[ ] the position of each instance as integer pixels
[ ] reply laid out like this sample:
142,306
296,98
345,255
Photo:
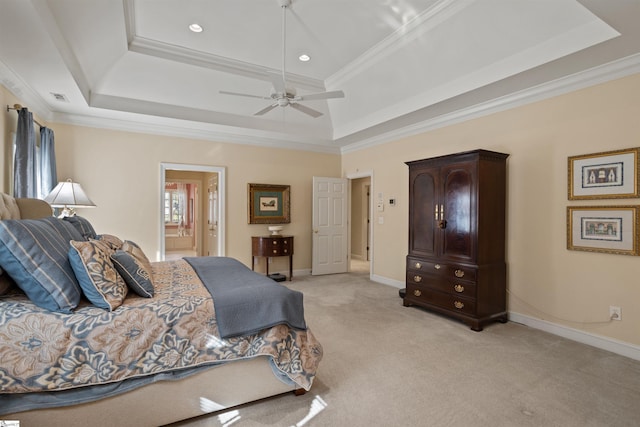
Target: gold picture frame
606,229
269,204
606,175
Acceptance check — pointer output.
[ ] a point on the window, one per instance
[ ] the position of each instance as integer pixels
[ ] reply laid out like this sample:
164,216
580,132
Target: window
172,210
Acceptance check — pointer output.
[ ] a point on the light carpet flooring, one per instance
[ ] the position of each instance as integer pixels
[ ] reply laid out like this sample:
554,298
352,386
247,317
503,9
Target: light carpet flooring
389,365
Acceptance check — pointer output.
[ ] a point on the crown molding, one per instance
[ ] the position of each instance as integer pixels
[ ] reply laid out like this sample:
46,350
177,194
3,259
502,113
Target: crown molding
193,130
183,55
14,84
424,22
155,48
601,74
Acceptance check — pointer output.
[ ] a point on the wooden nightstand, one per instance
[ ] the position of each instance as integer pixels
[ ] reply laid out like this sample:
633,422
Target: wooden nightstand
272,246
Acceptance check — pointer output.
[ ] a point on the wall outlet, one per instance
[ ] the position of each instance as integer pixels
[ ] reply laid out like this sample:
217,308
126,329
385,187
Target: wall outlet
615,313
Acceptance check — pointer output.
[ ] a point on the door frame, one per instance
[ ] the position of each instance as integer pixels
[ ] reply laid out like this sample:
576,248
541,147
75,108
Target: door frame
351,177
221,171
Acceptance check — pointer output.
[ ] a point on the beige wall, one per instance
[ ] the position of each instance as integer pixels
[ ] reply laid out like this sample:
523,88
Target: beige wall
545,280
120,171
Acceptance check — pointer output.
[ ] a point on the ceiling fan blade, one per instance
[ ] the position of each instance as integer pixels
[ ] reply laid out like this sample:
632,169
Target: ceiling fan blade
278,83
248,95
310,111
321,95
266,109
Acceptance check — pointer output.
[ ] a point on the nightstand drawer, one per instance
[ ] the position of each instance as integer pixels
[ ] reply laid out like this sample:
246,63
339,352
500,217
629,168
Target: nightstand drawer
272,246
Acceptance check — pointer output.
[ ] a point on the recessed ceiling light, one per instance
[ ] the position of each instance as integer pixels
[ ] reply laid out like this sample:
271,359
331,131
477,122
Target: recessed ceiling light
195,28
304,57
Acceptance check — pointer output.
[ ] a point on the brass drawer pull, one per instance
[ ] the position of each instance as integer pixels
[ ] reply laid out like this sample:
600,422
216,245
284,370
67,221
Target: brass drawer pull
459,273
417,292
458,304
275,251
274,242
418,265
285,251
437,266
458,288
417,279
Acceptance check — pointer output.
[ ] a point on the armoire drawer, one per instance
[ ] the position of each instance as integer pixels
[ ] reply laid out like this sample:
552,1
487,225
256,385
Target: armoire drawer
455,303
448,285
442,269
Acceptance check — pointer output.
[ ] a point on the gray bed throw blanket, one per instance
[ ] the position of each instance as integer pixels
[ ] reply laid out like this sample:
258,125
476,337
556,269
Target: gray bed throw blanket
247,302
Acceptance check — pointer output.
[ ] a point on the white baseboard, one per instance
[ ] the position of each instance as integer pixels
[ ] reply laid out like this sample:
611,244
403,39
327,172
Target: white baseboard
609,344
604,343
387,281
305,272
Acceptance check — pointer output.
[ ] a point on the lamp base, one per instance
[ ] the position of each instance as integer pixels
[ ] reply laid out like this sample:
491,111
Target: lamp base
66,212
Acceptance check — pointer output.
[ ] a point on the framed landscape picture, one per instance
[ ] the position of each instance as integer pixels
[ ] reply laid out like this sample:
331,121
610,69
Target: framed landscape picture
608,175
269,204
607,229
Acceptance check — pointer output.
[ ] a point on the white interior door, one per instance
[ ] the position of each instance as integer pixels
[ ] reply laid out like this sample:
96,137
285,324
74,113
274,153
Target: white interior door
330,231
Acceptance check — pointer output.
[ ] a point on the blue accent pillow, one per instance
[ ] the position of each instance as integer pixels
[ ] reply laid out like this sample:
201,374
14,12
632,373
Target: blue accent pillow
134,273
83,226
99,280
34,252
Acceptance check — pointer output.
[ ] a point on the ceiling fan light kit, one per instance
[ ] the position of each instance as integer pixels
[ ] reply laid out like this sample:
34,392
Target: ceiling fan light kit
283,96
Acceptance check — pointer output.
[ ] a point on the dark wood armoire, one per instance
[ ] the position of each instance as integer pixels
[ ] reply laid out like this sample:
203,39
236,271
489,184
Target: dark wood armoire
456,261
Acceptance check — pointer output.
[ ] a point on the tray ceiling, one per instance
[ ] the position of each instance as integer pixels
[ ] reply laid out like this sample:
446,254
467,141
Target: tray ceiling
404,65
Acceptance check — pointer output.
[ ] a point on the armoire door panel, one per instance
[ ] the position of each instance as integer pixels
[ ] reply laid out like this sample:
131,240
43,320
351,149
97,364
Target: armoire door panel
458,240
422,241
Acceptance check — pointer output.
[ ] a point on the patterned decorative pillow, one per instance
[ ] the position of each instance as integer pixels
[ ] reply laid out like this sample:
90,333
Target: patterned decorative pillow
134,273
136,251
99,280
34,253
83,226
114,242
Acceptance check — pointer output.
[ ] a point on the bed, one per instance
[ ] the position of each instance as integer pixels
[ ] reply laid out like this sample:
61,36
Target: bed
140,359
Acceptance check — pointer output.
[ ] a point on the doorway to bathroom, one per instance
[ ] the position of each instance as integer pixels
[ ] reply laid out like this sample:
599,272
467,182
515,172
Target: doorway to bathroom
192,210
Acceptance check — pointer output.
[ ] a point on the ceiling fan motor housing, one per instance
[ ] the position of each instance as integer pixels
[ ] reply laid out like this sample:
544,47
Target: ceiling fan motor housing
280,93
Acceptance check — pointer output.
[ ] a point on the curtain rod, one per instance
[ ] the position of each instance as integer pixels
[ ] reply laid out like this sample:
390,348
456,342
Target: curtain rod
18,107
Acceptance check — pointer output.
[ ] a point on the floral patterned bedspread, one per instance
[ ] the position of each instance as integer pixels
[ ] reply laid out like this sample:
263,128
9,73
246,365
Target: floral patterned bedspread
176,329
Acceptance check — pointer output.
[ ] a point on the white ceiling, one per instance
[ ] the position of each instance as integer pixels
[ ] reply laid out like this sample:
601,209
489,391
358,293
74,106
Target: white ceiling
404,65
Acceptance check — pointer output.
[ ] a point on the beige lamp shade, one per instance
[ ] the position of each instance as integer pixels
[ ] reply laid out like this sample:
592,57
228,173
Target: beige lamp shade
68,194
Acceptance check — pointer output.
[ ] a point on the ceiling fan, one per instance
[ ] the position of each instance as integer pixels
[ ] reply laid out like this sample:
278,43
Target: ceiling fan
281,95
